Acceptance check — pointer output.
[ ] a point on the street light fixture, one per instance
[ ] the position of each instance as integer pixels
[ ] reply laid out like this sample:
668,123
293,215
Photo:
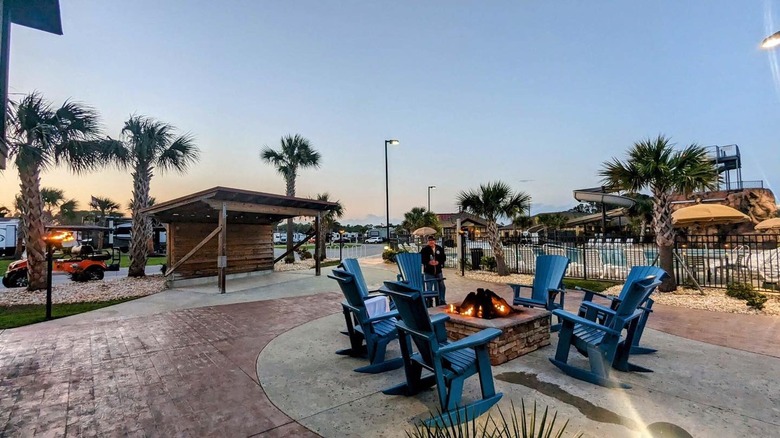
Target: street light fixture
429,196
771,41
387,188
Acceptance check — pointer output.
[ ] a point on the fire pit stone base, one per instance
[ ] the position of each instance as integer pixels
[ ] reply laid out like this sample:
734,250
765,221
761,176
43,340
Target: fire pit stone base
523,332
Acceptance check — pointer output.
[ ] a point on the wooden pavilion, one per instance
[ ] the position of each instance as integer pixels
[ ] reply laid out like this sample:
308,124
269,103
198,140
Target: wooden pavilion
223,231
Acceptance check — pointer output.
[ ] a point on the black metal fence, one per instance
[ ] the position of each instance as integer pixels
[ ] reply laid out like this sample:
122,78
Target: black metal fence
710,261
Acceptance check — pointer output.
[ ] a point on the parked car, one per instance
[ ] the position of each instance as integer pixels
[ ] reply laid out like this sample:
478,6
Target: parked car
374,240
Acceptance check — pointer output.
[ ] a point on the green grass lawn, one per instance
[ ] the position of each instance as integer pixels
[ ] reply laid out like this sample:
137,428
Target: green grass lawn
17,316
594,285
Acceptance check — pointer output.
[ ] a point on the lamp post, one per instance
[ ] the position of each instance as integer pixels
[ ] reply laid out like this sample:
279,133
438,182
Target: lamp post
387,188
429,196
341,243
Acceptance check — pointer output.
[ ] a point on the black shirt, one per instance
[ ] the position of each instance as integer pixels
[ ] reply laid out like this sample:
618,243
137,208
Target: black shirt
428,255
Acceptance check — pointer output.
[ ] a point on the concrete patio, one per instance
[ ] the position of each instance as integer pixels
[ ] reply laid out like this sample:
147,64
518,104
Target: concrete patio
258,361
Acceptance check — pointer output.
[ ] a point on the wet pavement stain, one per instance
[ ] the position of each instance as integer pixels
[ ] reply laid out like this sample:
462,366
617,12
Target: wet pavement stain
667,430
587,408
591,411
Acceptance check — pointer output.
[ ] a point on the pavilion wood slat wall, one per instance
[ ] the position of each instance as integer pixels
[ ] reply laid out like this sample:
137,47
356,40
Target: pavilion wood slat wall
249,248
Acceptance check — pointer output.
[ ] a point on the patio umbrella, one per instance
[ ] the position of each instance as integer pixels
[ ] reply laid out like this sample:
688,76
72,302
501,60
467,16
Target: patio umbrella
424,231
769,224
707,214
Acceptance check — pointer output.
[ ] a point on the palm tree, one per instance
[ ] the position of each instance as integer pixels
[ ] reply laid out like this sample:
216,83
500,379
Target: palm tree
328,220
492,201
40,137
103,207
52,198
67,212
66,208
641,213
295,152
147,144
653,164
419,217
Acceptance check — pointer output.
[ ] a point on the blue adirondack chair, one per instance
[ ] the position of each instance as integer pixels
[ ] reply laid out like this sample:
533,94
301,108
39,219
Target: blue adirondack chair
637,273
449,362
548,283
411,273
602,343
353,267
377,331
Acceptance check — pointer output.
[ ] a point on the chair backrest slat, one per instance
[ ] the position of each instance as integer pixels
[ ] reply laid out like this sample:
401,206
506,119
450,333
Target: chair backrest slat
353,267
640,290
549,275
638,273
410,267
411,308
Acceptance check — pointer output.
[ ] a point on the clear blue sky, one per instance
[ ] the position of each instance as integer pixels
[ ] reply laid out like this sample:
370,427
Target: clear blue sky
537,94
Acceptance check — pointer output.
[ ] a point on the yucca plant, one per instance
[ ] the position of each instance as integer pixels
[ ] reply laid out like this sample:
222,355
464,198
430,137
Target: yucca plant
515,426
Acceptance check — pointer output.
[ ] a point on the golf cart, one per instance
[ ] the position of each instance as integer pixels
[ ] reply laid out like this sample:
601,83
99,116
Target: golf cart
83,263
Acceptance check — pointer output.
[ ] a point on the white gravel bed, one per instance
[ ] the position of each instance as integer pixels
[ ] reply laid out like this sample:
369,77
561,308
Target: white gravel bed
714,300
299,265
91,291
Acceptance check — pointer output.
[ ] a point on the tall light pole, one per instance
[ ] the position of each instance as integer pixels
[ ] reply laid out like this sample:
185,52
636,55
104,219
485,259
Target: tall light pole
387,188
429,196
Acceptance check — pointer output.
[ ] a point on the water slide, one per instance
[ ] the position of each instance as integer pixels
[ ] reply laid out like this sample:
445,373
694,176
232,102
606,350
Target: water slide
597,194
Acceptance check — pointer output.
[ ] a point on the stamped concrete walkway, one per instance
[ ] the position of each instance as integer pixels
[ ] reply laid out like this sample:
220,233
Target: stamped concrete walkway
184,362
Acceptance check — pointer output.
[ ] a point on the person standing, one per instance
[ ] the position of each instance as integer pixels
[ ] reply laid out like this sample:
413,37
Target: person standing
433,259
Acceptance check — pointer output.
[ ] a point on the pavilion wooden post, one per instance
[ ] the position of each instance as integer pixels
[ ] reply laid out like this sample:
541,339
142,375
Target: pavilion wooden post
222,248
317,246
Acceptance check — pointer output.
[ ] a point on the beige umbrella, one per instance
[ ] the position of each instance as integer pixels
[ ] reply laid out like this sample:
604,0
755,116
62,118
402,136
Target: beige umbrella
707,214
424,231
769,224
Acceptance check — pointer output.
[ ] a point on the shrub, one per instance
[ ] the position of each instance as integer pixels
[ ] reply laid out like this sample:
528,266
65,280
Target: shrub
389,254
304,254
744,291
489,263
517,424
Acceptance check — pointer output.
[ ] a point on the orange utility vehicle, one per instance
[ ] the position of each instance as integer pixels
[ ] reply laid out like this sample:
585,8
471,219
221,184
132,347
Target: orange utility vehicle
84,263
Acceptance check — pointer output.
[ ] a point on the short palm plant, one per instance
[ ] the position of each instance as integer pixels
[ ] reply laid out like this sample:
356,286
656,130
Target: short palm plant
491,202
653,164
517,425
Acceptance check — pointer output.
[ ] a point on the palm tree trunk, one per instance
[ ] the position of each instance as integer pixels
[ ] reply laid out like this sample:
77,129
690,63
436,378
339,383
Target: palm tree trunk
664,238
498,250
321,239
141,228
34,228
290,257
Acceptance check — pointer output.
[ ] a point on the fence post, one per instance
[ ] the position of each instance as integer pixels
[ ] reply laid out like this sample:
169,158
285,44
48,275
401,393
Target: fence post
584,263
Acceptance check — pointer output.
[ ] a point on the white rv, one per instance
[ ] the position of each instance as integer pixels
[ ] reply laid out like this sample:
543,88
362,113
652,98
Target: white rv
9,227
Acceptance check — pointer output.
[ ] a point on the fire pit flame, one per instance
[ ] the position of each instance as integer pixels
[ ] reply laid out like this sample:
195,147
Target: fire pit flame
483,303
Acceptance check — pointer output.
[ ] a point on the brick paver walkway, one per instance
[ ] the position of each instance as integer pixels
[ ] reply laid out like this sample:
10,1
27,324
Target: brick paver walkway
180,373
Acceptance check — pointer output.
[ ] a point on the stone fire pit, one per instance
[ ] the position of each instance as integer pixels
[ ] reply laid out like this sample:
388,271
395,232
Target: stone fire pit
523,331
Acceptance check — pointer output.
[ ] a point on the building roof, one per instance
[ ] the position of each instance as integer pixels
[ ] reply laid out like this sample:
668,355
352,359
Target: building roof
449,220
243,207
